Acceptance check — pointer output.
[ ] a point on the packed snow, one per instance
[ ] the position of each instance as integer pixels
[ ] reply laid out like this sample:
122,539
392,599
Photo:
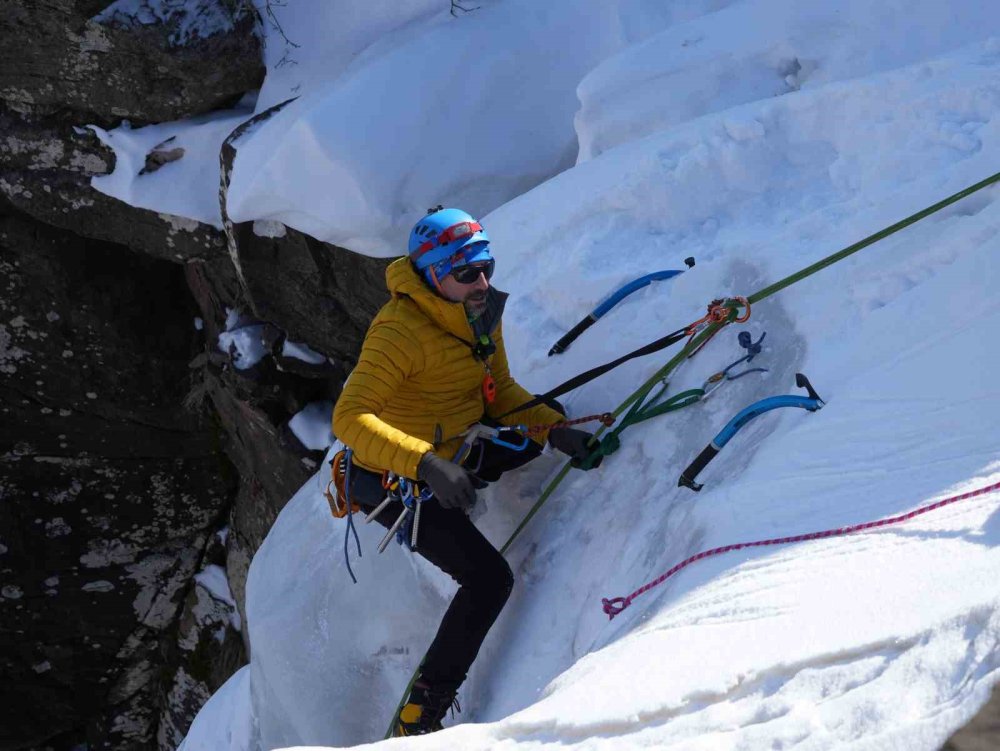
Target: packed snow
311,425
302,352
608,141
242,340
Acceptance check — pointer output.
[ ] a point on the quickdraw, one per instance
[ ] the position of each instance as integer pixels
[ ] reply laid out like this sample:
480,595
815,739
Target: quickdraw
753,349
407,525
660,404
638,408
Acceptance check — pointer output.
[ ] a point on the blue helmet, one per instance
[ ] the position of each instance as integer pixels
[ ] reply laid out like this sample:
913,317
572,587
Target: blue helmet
444,239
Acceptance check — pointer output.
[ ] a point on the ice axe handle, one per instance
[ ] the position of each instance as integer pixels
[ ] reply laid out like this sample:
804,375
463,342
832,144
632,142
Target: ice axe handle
570,336
686,479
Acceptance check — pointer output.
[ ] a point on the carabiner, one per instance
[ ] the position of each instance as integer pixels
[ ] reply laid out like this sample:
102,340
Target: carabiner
521,429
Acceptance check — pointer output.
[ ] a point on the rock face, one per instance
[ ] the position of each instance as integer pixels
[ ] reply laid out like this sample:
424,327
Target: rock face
208,648
109,490
139,468
148,67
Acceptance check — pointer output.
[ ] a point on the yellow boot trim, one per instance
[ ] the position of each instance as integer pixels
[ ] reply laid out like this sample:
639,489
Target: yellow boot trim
409,715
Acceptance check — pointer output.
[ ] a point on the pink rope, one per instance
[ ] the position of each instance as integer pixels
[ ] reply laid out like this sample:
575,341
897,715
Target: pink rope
613,606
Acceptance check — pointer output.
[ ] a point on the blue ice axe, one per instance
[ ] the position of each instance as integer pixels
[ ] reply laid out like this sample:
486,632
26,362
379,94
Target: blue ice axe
613,299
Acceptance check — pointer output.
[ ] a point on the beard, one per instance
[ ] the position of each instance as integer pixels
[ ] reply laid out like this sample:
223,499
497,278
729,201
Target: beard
475,303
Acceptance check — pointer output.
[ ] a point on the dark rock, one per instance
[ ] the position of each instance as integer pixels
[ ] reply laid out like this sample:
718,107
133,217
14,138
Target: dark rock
196,59
321,294
45,171
290,275
161,154
116,639
109,489
982,733
32,144
207,651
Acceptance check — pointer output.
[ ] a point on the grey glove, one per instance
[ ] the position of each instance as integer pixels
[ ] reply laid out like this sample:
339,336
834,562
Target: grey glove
575,444
453,485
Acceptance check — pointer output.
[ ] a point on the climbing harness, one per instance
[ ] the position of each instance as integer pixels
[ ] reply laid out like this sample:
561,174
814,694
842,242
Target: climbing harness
611,301
411,494
811,403
614,605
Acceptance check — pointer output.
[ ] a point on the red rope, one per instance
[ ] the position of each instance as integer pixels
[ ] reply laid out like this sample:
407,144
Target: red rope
605,417
615,605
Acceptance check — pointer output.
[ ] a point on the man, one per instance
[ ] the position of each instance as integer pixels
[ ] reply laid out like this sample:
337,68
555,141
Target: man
433,364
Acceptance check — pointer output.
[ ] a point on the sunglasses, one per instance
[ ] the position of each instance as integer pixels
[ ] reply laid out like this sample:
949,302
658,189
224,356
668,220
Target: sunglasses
470,272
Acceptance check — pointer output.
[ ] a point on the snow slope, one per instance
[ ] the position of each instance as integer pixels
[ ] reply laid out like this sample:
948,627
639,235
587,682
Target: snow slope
398,103
879,640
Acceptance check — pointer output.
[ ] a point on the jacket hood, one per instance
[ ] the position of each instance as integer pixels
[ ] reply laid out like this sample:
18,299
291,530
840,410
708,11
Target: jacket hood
403,281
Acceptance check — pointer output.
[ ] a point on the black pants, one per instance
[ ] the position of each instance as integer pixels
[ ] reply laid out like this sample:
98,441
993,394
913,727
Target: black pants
450,541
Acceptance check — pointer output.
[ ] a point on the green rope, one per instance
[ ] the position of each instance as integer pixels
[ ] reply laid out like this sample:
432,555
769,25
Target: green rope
640,412
639,395
871,239
402,702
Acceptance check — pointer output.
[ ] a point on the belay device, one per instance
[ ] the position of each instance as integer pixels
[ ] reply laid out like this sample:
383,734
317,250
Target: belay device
811,403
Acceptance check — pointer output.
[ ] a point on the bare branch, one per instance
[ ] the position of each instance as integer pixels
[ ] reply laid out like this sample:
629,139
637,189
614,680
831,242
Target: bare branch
457,5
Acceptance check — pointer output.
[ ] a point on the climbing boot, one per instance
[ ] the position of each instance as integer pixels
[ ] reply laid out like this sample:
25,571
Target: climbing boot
424,710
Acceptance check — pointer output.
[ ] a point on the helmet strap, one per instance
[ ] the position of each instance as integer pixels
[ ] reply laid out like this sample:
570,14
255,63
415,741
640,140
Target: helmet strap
434,281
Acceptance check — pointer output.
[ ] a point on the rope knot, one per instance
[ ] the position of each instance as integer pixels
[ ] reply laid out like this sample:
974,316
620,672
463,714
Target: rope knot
614,606
717,312
722,311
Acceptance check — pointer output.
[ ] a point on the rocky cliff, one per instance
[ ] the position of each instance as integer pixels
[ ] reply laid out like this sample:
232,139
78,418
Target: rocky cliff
139,470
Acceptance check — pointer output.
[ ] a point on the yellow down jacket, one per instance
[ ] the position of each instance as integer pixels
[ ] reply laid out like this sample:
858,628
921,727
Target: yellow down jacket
417,372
